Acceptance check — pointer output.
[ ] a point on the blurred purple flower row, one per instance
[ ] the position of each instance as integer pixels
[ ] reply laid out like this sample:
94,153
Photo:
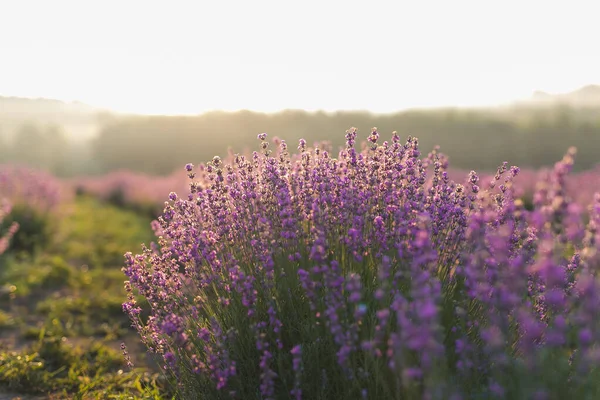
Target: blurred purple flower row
131,188
33,188
370,275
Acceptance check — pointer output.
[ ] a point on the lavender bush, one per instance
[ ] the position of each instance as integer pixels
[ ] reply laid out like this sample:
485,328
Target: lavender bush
370,275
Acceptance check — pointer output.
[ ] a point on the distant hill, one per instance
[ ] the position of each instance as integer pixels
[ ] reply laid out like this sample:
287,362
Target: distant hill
79,121
529,134
42,105
587,96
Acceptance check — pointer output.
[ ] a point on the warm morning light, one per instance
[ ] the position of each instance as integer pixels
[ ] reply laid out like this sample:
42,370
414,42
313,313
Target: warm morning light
310,200
190,57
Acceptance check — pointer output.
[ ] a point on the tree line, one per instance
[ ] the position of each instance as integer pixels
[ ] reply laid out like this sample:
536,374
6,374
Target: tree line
473,139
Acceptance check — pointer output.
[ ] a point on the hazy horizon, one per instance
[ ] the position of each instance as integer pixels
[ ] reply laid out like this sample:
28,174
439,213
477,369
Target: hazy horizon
266,56
526,100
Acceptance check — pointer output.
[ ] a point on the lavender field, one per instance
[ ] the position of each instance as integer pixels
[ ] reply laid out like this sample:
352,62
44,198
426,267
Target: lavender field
302,271
313,200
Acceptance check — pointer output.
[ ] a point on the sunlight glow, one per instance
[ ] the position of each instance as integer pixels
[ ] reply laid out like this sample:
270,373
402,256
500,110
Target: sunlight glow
189,57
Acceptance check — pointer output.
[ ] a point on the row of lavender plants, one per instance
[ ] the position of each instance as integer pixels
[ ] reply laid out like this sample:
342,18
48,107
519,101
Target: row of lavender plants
370,275
34,195
132,190
147,193
36,188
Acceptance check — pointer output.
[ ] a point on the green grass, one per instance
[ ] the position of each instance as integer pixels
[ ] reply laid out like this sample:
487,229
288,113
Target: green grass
97,234
6,320
60,311
55,368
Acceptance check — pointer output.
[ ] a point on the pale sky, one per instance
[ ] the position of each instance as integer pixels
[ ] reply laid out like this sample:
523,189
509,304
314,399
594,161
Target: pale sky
188,57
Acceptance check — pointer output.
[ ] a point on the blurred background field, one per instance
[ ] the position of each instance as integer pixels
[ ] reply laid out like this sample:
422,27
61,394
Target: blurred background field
74,140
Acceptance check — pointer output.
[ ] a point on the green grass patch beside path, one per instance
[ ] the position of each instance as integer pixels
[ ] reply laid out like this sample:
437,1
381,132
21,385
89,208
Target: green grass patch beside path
61,322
